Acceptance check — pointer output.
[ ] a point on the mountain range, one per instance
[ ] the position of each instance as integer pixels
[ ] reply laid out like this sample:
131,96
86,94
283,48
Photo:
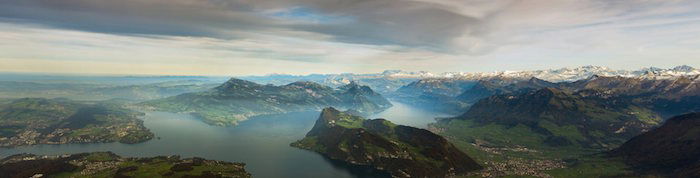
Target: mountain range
567,118
578,73
454,95
237,100
392,80
569,121
561,118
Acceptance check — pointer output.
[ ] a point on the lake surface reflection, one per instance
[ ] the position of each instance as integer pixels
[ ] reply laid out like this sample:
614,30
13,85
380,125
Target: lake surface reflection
262,143
405,114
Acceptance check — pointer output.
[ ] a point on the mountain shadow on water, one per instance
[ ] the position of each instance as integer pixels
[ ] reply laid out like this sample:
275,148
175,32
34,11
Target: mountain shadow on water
358,170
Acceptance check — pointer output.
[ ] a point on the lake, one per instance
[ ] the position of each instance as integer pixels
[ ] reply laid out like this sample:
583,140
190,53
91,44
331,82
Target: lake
405,114
261,142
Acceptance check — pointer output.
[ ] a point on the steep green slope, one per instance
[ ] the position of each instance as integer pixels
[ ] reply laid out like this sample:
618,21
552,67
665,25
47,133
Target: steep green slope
554,118
31,121
108,165
562,127
672,149
399,150
237,100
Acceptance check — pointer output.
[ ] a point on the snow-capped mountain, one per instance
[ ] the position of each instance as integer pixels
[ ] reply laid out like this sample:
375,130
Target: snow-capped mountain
390,80
552,75
657,73
572,74
404,74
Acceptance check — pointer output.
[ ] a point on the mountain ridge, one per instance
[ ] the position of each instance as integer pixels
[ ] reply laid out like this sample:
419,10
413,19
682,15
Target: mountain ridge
399,150
547,109
237,100
552,75
672,149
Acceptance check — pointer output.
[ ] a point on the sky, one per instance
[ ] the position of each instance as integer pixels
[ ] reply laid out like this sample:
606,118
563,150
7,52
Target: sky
255,37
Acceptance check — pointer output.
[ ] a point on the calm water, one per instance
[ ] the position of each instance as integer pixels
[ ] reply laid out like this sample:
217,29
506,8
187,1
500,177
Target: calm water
262,143
404,114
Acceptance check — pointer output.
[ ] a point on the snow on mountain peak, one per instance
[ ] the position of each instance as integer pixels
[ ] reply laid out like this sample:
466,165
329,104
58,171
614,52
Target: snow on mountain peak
683,68
390,72
405,74
582,72
551,75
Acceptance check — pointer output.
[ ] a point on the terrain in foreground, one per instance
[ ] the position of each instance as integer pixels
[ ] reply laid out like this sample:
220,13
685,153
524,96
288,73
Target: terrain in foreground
107,164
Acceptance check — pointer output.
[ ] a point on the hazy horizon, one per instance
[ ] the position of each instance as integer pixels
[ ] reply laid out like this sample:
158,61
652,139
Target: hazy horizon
295,74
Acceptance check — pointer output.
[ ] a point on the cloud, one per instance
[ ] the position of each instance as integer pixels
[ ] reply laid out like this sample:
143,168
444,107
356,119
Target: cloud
157,17
203,55
438,35
459,26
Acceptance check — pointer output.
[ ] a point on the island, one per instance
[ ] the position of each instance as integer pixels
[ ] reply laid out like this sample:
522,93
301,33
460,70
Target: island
401,151
30,121
107,164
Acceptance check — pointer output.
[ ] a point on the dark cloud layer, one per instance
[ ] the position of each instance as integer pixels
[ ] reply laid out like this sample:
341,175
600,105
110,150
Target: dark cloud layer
431,24
158,17
407,23
374,22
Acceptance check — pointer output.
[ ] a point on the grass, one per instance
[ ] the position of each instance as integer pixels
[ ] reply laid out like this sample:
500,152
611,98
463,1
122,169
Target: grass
349,121
495,134
587,162
136,137
100,156
645,115
154,168
310,142
569,131
593,166
374,149
158,167
475,153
